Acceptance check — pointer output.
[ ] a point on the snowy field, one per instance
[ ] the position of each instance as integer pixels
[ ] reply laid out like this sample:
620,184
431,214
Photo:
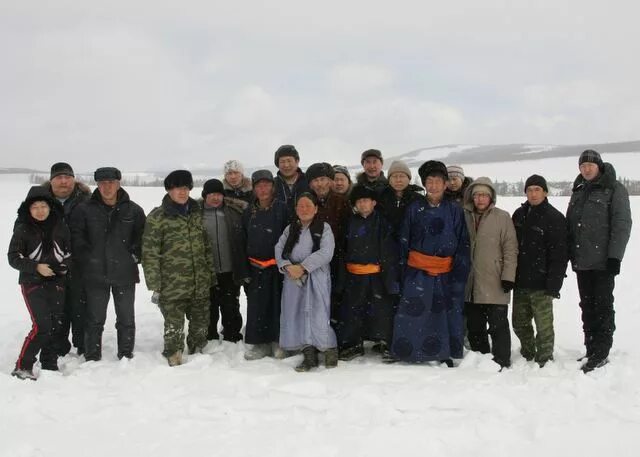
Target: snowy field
217,404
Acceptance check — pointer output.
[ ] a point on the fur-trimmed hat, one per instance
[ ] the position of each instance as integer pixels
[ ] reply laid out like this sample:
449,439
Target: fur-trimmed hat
591,156
433,168
61,168
536,180
361,191
107,174
286,150
233,165
318,170
398,166
371,153
212,186
178,178
261,175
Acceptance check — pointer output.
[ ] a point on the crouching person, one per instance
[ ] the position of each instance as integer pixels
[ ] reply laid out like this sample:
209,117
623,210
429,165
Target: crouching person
178,266
304,254
40,250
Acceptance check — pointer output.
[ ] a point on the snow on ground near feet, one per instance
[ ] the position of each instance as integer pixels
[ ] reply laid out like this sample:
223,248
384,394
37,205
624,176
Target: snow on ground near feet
219,404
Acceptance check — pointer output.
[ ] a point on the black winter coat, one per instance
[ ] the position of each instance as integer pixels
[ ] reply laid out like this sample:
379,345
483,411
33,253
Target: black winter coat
289,195
107,241
599,221
458,195
394,208
36,242
378,186
542,247
262,228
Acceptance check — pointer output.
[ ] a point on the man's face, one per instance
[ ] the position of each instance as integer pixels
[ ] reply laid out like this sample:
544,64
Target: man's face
234,178
263,190
435,186
108,189
321,186
340,183
372,167
215,199
589,170
365,206
288,166
535,195
454,183
398,181
62,185
180,195
481,201
39,210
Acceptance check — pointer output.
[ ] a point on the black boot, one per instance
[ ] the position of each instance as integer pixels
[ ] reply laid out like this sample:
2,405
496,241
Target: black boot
310,359
331,358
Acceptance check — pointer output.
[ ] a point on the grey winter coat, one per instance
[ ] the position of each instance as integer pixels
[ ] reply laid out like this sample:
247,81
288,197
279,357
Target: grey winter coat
598,220
494,250
305,306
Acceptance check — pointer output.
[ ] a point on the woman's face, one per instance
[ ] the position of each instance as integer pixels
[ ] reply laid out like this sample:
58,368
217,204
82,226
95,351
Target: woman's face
306,210
39,211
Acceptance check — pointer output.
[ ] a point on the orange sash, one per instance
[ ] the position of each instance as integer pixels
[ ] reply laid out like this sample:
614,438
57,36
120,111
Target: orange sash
431,264
363,268
262,263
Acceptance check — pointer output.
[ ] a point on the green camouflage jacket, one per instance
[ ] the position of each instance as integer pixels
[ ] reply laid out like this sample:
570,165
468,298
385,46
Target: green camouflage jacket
176,253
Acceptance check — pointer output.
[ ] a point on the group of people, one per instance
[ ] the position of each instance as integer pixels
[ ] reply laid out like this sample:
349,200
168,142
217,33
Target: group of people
326,263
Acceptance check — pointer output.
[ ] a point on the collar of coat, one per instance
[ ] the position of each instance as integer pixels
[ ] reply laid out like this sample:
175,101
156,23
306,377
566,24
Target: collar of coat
245,185
80,188
170,207
362,178
122,196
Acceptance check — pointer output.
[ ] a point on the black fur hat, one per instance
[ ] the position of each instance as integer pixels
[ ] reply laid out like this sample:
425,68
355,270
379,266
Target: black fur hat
107,174
318,170
361,191
286,150
178,178
433,168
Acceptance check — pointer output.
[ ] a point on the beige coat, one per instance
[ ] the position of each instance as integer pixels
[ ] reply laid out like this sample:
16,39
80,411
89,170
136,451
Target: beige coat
494,250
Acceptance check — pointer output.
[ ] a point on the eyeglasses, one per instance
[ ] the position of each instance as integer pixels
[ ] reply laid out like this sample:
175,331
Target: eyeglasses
480,195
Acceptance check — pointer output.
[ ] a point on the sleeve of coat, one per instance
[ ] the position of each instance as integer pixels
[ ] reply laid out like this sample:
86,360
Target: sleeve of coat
280,247
620,222
151,252
81,245
509,250
138,230
462,259
557,253
16,256
389,257
323,255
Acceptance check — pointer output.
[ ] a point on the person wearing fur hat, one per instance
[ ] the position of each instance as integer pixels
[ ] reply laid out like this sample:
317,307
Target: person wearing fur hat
40,249
599,222
367,306
457,184
372,174
69,192
236,184
263,222
290,181
542,261
434,252
222,217
106,233
178,266
494,258
341,180
398,194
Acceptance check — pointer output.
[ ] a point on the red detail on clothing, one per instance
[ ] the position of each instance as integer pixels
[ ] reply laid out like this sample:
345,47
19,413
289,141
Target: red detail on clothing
34,327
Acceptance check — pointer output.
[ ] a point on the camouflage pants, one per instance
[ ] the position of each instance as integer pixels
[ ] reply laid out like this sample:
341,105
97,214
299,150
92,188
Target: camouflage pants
174,311
533,305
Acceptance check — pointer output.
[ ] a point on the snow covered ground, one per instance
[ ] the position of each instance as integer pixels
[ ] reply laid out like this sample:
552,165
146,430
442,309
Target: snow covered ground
219,404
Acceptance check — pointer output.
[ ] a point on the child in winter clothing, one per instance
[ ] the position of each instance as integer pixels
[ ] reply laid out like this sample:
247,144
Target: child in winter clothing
40,250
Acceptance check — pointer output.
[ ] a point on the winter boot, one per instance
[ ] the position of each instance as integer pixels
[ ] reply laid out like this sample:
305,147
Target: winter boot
175,359
197,348
351,353
331,358
593,363
278,352
258,351
49,366
24,374
310,359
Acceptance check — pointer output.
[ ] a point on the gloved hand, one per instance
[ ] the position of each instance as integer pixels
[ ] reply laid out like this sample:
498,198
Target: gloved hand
507,286
552,294
155,298
613,266
60,269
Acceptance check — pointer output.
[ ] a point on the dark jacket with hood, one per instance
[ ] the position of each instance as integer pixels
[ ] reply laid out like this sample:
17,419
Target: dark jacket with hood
599,220
457,196
394,208
288,195
35,242
542,247
244,192
107,240
378,185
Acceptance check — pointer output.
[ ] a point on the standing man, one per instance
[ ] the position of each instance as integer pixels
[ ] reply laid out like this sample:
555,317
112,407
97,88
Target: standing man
542,261
494,258
290,181
222,218
599,222
372,176
236,184
107,244
178,266
63,186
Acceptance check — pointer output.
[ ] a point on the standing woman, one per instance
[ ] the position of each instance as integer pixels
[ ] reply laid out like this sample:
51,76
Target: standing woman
40,250
303,254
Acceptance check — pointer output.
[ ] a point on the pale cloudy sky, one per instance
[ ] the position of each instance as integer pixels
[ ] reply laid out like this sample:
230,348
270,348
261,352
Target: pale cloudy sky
163,84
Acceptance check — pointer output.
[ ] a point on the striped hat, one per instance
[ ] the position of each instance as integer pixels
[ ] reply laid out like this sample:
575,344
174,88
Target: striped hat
591,156
455,171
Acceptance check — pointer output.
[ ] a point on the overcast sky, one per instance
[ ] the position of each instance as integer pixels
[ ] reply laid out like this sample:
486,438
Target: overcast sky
155,84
